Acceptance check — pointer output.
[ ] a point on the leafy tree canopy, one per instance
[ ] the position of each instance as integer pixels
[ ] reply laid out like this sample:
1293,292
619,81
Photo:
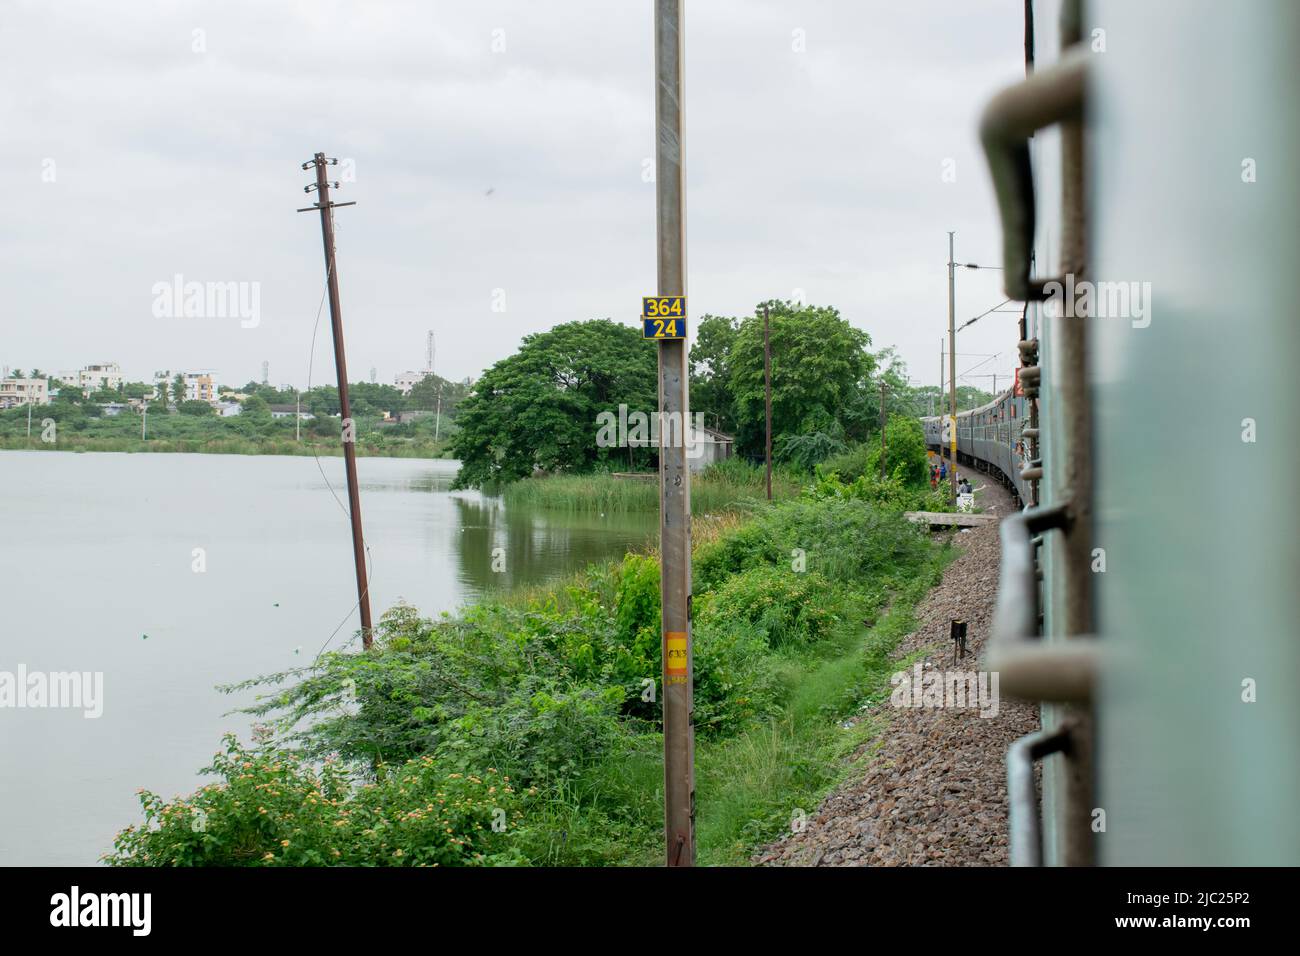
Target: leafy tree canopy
821,371
538,408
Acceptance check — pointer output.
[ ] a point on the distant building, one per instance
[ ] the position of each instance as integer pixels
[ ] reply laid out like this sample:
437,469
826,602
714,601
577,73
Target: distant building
405,381
199,386
105,375
24,391
288,411
708,446
229,409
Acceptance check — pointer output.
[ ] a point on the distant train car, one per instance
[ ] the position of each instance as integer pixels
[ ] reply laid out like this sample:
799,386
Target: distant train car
990,439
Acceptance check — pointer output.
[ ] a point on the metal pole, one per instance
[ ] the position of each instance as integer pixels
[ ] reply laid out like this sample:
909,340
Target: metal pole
674,473
943,378
952,371
297,418
345,406
767,394
882,430
437,419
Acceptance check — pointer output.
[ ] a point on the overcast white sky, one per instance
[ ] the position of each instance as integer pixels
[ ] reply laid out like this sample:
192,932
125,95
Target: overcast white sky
818,170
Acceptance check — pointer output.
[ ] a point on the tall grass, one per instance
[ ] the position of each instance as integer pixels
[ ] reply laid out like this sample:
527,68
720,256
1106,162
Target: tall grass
727,486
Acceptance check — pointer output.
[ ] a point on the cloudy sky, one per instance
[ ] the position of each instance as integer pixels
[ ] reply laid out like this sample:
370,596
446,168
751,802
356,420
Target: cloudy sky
489,146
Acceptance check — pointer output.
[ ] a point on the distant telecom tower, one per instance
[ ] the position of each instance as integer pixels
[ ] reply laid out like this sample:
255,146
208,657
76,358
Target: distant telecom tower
428,358
374,375
266,373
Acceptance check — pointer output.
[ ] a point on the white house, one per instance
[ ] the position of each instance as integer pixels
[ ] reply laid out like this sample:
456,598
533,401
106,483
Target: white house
24,391
707,446
405,381
92,378
288,411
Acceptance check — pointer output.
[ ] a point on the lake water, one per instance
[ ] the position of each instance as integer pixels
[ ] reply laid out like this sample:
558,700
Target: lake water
97,573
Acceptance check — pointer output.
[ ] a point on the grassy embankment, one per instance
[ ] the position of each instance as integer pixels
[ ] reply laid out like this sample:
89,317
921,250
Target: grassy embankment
523,730
216,436
727,486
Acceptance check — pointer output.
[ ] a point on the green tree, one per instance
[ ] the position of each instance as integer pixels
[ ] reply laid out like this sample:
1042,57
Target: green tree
821,371
195,408
715,336
425,395
904,451
538,408
178,389
256,408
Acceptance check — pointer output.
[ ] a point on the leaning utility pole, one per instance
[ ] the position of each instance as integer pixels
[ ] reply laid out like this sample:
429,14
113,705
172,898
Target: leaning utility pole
952,369
322,187
767,394
674,473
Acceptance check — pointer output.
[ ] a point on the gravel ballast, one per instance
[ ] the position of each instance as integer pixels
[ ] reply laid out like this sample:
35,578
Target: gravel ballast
931,789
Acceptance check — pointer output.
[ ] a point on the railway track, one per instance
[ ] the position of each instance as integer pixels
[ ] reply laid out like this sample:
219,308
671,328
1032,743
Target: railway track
931,789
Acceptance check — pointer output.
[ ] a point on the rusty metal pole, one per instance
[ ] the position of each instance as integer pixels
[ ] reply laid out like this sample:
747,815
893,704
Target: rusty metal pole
674,473
952,372
345,406
767,394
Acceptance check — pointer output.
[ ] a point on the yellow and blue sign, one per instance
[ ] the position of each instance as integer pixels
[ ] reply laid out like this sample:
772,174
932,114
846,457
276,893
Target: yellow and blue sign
663,316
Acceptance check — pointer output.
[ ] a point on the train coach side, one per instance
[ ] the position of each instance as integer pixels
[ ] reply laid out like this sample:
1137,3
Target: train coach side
989,439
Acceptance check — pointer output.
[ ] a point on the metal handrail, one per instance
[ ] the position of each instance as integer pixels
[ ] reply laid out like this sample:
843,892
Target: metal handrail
1052,95
1026,666
1022,796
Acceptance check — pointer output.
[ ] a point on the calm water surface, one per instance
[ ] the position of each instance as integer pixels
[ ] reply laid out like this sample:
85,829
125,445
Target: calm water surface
97,574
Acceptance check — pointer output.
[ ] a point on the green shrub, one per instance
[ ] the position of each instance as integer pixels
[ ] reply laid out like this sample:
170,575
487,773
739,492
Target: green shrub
785,607
851,464
847,540
270,808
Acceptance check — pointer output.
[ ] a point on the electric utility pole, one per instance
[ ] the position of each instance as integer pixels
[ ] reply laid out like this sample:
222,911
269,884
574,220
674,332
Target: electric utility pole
322,187
882,429
952,369
767,394
674,473
437,421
